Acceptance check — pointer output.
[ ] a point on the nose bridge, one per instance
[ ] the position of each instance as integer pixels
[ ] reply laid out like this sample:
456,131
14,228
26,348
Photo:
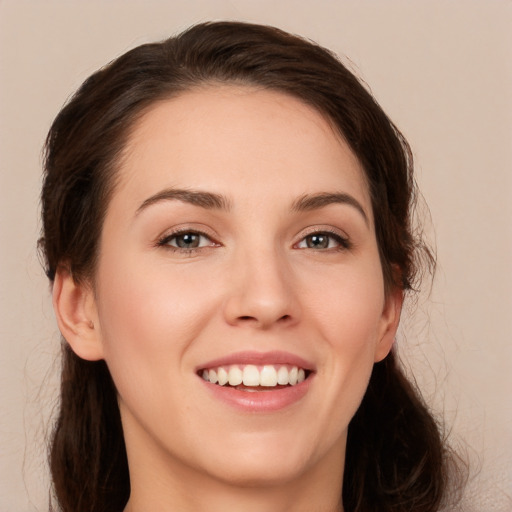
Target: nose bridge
262,290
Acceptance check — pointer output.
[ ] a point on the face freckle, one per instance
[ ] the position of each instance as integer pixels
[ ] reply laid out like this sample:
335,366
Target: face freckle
240,235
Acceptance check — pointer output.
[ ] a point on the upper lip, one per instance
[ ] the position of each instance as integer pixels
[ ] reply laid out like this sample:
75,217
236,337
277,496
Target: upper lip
259,358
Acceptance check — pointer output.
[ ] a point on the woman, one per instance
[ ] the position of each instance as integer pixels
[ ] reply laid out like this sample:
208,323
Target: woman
226,224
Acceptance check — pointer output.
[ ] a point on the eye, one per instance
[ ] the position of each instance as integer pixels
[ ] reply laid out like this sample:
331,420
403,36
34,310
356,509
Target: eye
323,240
186,240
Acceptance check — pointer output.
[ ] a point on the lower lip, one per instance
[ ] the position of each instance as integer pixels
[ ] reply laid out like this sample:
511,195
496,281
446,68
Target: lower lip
260,401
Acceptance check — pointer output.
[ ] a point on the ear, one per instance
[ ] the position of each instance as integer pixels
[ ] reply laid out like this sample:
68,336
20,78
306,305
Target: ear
389,323
75,309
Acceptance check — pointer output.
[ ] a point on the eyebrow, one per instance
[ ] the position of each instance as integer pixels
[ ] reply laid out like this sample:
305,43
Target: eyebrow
207,200
310,202
212,201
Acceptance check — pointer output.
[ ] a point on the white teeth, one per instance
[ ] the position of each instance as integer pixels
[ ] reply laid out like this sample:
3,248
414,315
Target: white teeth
282,376
235,376
222,375
268,376
251,376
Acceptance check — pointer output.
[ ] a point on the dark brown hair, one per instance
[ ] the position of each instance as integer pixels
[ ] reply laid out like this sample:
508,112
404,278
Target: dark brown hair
396,458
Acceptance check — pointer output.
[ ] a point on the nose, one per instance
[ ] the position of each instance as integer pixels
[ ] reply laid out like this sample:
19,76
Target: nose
263,292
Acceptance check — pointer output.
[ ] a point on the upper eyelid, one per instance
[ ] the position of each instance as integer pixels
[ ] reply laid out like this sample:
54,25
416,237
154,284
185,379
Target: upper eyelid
180,230
170,236
343,238
311,230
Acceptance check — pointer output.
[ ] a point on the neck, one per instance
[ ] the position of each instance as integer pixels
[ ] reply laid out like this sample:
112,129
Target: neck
195,494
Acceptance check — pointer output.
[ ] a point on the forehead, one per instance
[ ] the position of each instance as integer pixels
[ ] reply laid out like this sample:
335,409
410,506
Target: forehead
238,137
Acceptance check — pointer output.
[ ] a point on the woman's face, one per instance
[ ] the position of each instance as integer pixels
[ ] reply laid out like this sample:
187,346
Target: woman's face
239,244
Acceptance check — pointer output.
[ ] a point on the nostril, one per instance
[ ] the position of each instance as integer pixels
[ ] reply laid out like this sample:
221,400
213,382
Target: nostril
246,318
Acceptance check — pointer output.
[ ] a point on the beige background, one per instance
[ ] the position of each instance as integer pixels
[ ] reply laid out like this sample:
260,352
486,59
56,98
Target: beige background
442,70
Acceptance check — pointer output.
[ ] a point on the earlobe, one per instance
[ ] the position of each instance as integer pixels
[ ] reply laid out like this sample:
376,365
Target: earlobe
75,309
389,324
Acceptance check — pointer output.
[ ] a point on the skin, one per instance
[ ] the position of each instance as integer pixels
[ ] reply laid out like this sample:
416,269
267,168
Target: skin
157,312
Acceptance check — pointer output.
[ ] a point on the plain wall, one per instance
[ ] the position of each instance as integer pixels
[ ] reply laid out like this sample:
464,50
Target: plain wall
441,70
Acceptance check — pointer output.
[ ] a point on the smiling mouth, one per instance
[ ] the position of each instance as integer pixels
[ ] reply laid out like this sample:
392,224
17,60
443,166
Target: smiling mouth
255,378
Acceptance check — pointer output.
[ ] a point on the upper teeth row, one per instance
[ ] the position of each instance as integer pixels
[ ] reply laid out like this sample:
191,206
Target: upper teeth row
251,375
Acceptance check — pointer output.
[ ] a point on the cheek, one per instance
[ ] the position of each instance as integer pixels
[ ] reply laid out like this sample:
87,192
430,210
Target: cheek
148,321
350,306
149,316
349,320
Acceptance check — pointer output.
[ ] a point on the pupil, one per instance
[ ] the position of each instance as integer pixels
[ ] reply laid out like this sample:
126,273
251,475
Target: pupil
187,240
318,241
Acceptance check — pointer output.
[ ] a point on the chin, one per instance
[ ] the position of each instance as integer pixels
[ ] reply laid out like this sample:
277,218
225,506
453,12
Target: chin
265,473
268,461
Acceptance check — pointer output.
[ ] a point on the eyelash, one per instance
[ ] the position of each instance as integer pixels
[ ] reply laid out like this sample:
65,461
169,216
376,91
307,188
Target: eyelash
342,241
166,239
